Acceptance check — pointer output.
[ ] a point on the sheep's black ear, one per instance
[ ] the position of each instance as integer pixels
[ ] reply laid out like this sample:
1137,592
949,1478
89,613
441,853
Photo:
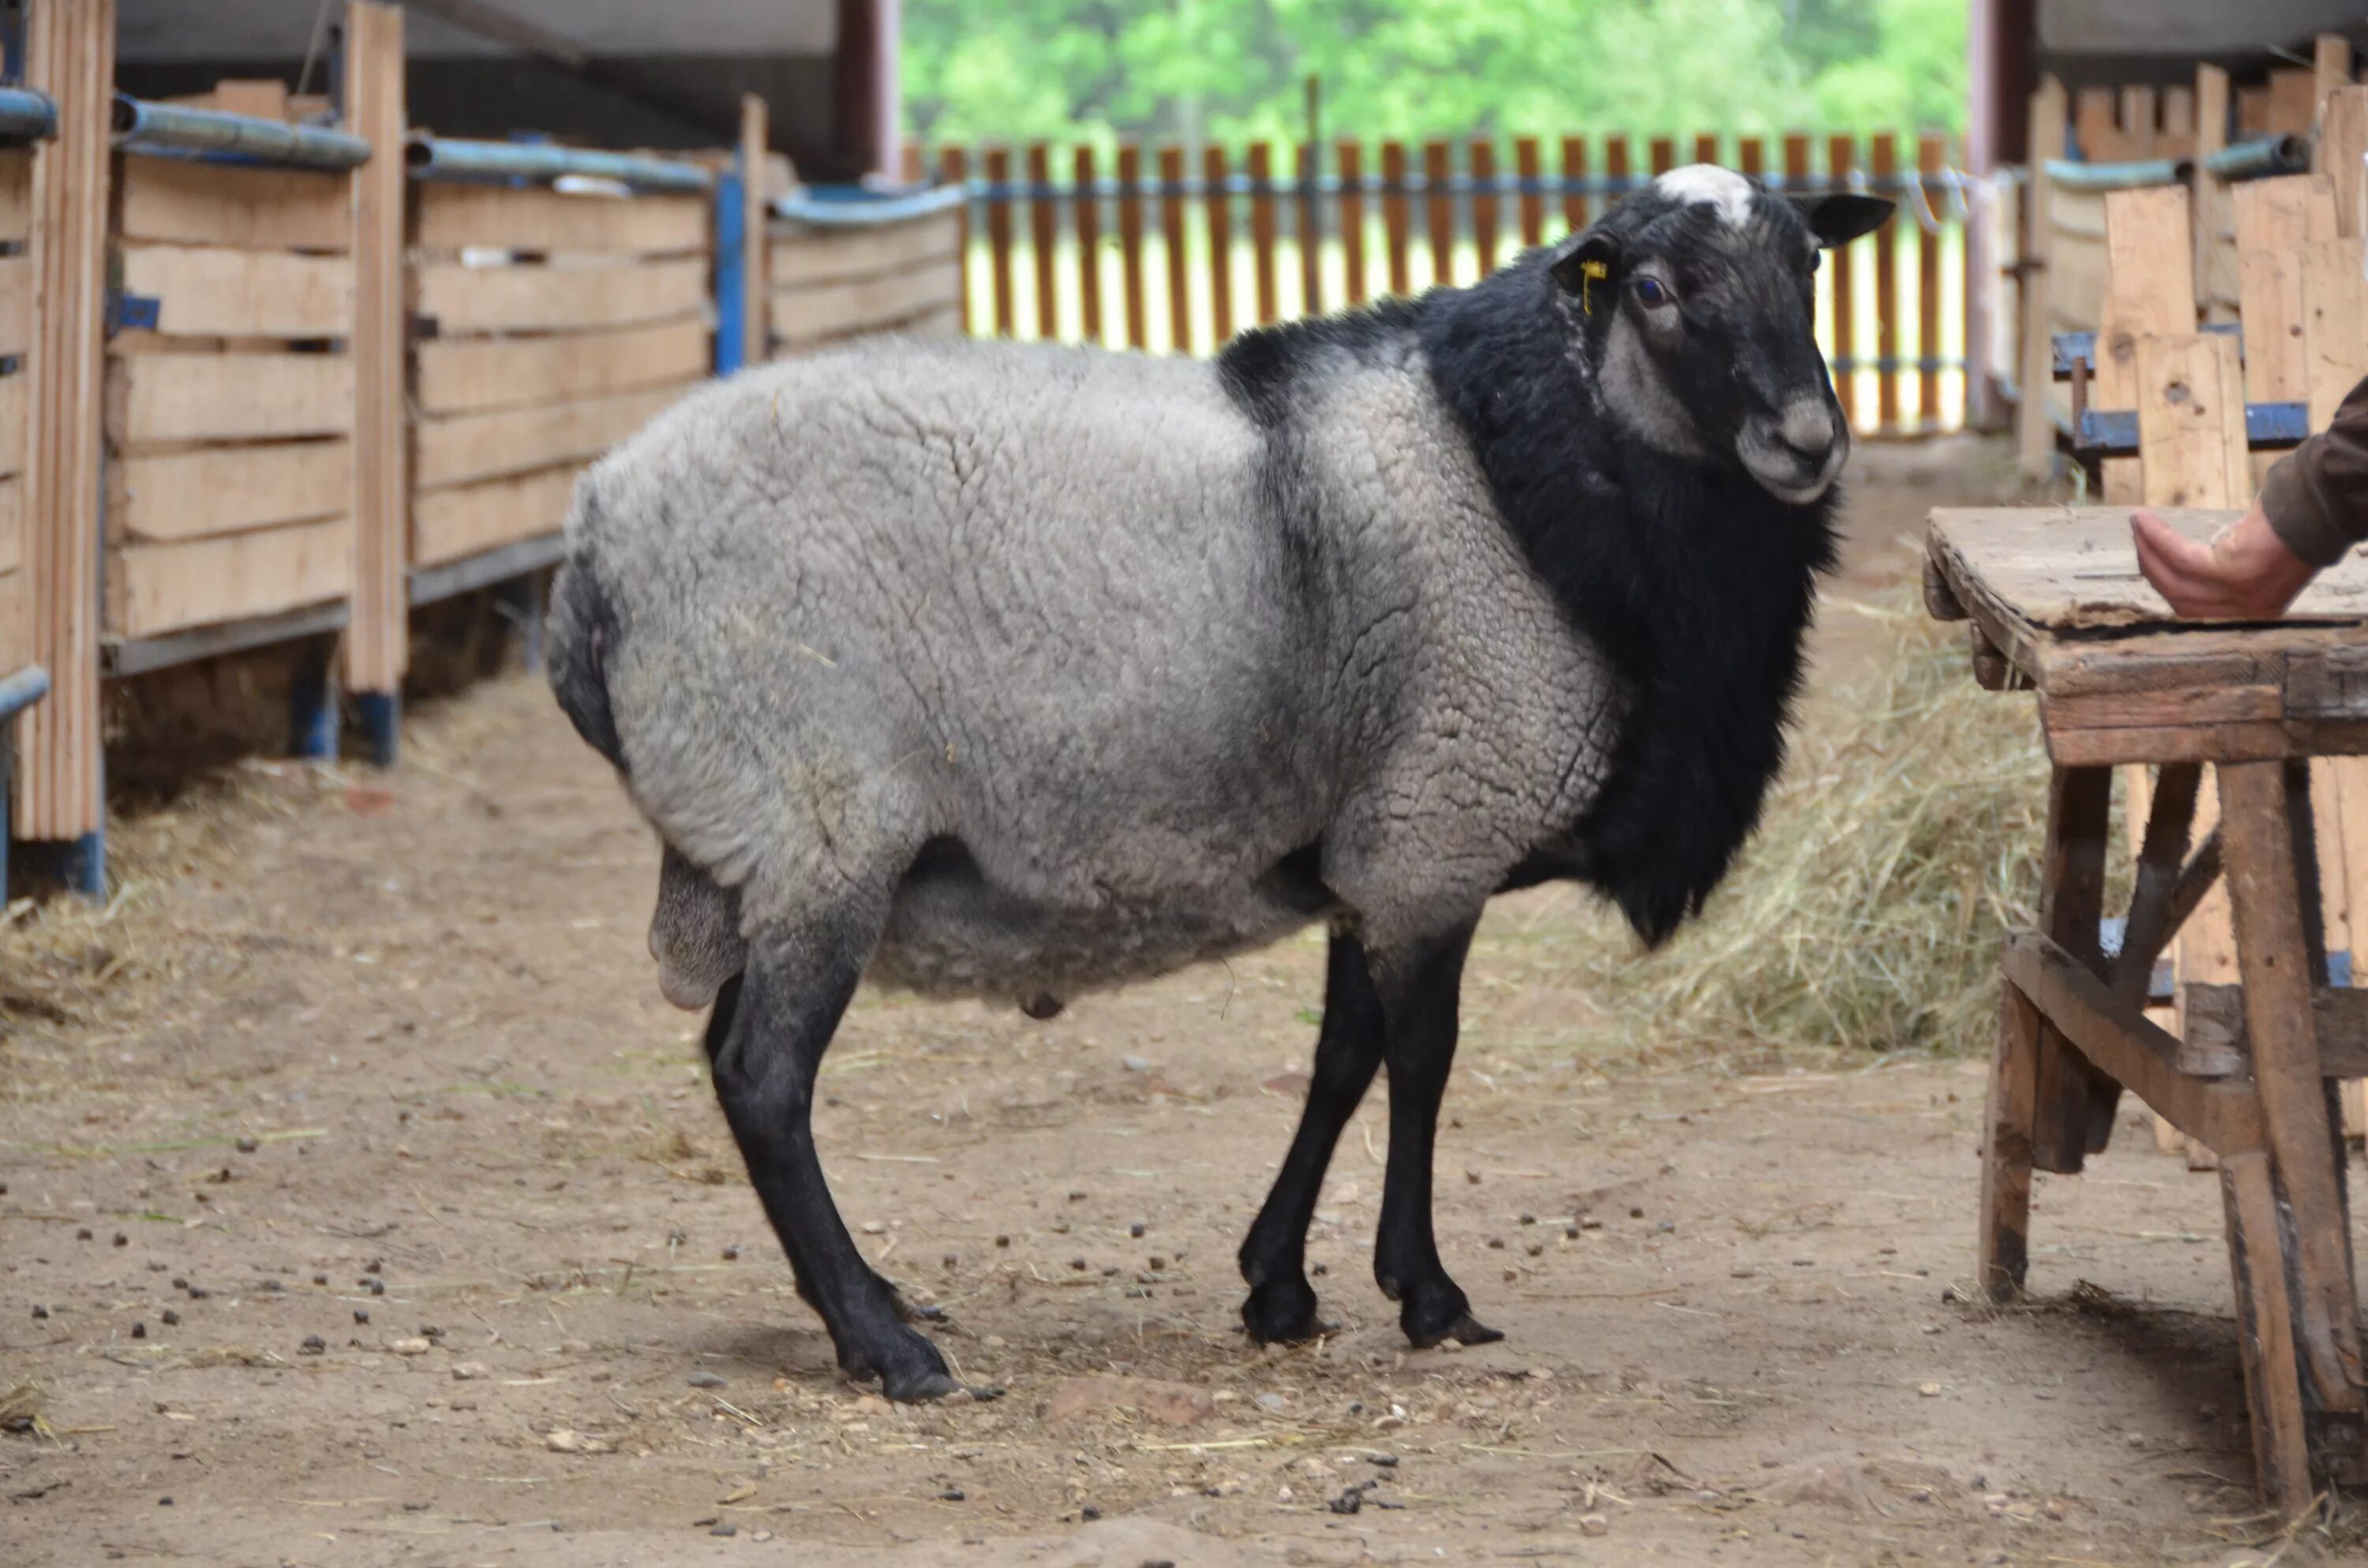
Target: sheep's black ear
1583,260
1839,219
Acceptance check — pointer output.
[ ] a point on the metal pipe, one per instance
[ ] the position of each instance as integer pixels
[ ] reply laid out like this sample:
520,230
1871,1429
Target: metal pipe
2260,157
857,211
21,691
438,157
1416,184
2071,175
25,114
144,126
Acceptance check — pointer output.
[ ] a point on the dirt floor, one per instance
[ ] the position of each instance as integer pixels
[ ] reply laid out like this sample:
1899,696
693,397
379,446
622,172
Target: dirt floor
364,1204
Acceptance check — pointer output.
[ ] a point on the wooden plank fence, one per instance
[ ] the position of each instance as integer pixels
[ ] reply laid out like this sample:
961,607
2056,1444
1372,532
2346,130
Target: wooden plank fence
1199,246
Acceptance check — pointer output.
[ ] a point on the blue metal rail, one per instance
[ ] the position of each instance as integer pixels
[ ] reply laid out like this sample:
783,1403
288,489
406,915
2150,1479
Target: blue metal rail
17,692
26,116
210,134
440,157
1951,184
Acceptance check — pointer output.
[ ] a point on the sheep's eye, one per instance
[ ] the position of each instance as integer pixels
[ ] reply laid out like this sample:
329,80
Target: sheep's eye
1653,294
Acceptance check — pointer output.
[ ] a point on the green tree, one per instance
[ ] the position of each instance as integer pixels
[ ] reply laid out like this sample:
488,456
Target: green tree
1232,69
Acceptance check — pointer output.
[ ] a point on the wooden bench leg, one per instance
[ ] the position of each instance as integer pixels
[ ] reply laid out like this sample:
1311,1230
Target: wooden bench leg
2265,1335
2004,1253
2272,881
2072,902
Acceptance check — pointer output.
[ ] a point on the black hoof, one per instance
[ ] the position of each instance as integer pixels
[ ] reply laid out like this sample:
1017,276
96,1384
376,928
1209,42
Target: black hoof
1282,1312
1465,1330
917,1385
1440,1312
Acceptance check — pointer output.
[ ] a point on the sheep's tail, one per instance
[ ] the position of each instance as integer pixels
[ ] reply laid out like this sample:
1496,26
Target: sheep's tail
581,634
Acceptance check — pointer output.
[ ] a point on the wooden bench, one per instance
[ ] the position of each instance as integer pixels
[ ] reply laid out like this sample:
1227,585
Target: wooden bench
2057,607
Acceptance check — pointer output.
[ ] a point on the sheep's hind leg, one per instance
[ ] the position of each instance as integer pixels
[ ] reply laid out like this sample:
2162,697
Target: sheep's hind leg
1281,1304
719,1029
1419,995
770,1027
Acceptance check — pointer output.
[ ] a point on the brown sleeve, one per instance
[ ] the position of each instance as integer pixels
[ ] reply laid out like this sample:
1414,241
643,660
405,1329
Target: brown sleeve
2317,497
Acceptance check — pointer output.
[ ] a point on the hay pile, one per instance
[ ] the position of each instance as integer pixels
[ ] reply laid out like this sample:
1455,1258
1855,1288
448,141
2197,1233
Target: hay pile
1901,839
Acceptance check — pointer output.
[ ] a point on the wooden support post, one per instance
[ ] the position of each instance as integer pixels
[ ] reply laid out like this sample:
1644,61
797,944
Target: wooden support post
1706,147
2072,892
1932,162
1089,246
2342,154
1349,157
2004,1245
2034,424
70,55
999,238
1043,242
1529,168
2330,67
1307,229
1221,241
1130,242
1173,241
1269,305
1483,156
756,202
1661,155
1575,205
2272,883
2265,1342
1438,210
1841,157
953,168
1886,167
377,647
2216,280
1395,216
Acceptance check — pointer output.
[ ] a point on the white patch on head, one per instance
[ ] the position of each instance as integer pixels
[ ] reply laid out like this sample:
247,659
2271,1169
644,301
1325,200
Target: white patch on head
1707,183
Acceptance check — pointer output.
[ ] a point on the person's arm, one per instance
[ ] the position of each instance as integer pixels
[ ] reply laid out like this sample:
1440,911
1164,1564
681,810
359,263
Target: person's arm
2312,508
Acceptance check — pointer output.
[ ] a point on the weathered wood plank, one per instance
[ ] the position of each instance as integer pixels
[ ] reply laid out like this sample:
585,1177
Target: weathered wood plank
12,524
838,310
449,524
2215,1046
2334,324
803,256
376,647
2123,1044
154,588
2004,1246
2035,432
2265,1332
531,296
16,194
2191,407
16,632
467,447
227,397
2273,942
12,424
178,496
69,53
186,202
207,291
470,374
456,217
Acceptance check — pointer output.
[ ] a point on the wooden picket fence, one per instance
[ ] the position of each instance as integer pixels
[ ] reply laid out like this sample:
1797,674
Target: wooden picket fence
1161,249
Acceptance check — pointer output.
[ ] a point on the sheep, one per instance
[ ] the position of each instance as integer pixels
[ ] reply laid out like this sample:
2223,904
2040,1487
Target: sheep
1019,670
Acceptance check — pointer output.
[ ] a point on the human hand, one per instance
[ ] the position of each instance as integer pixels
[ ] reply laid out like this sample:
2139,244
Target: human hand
2246,573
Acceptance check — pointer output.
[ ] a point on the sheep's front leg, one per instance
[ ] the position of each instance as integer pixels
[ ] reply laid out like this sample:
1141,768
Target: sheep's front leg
1281,1304
770,1027
1419,990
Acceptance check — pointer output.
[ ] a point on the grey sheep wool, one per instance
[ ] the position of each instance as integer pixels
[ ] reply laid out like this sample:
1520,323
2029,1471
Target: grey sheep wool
1046,661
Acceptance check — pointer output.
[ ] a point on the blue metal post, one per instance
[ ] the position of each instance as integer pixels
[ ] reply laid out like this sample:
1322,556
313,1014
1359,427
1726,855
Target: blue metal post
86,865
7,769
312,704
380,713
732,281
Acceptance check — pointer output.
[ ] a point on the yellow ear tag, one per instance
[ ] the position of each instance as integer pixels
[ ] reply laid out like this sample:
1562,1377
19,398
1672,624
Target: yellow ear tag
1589,272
